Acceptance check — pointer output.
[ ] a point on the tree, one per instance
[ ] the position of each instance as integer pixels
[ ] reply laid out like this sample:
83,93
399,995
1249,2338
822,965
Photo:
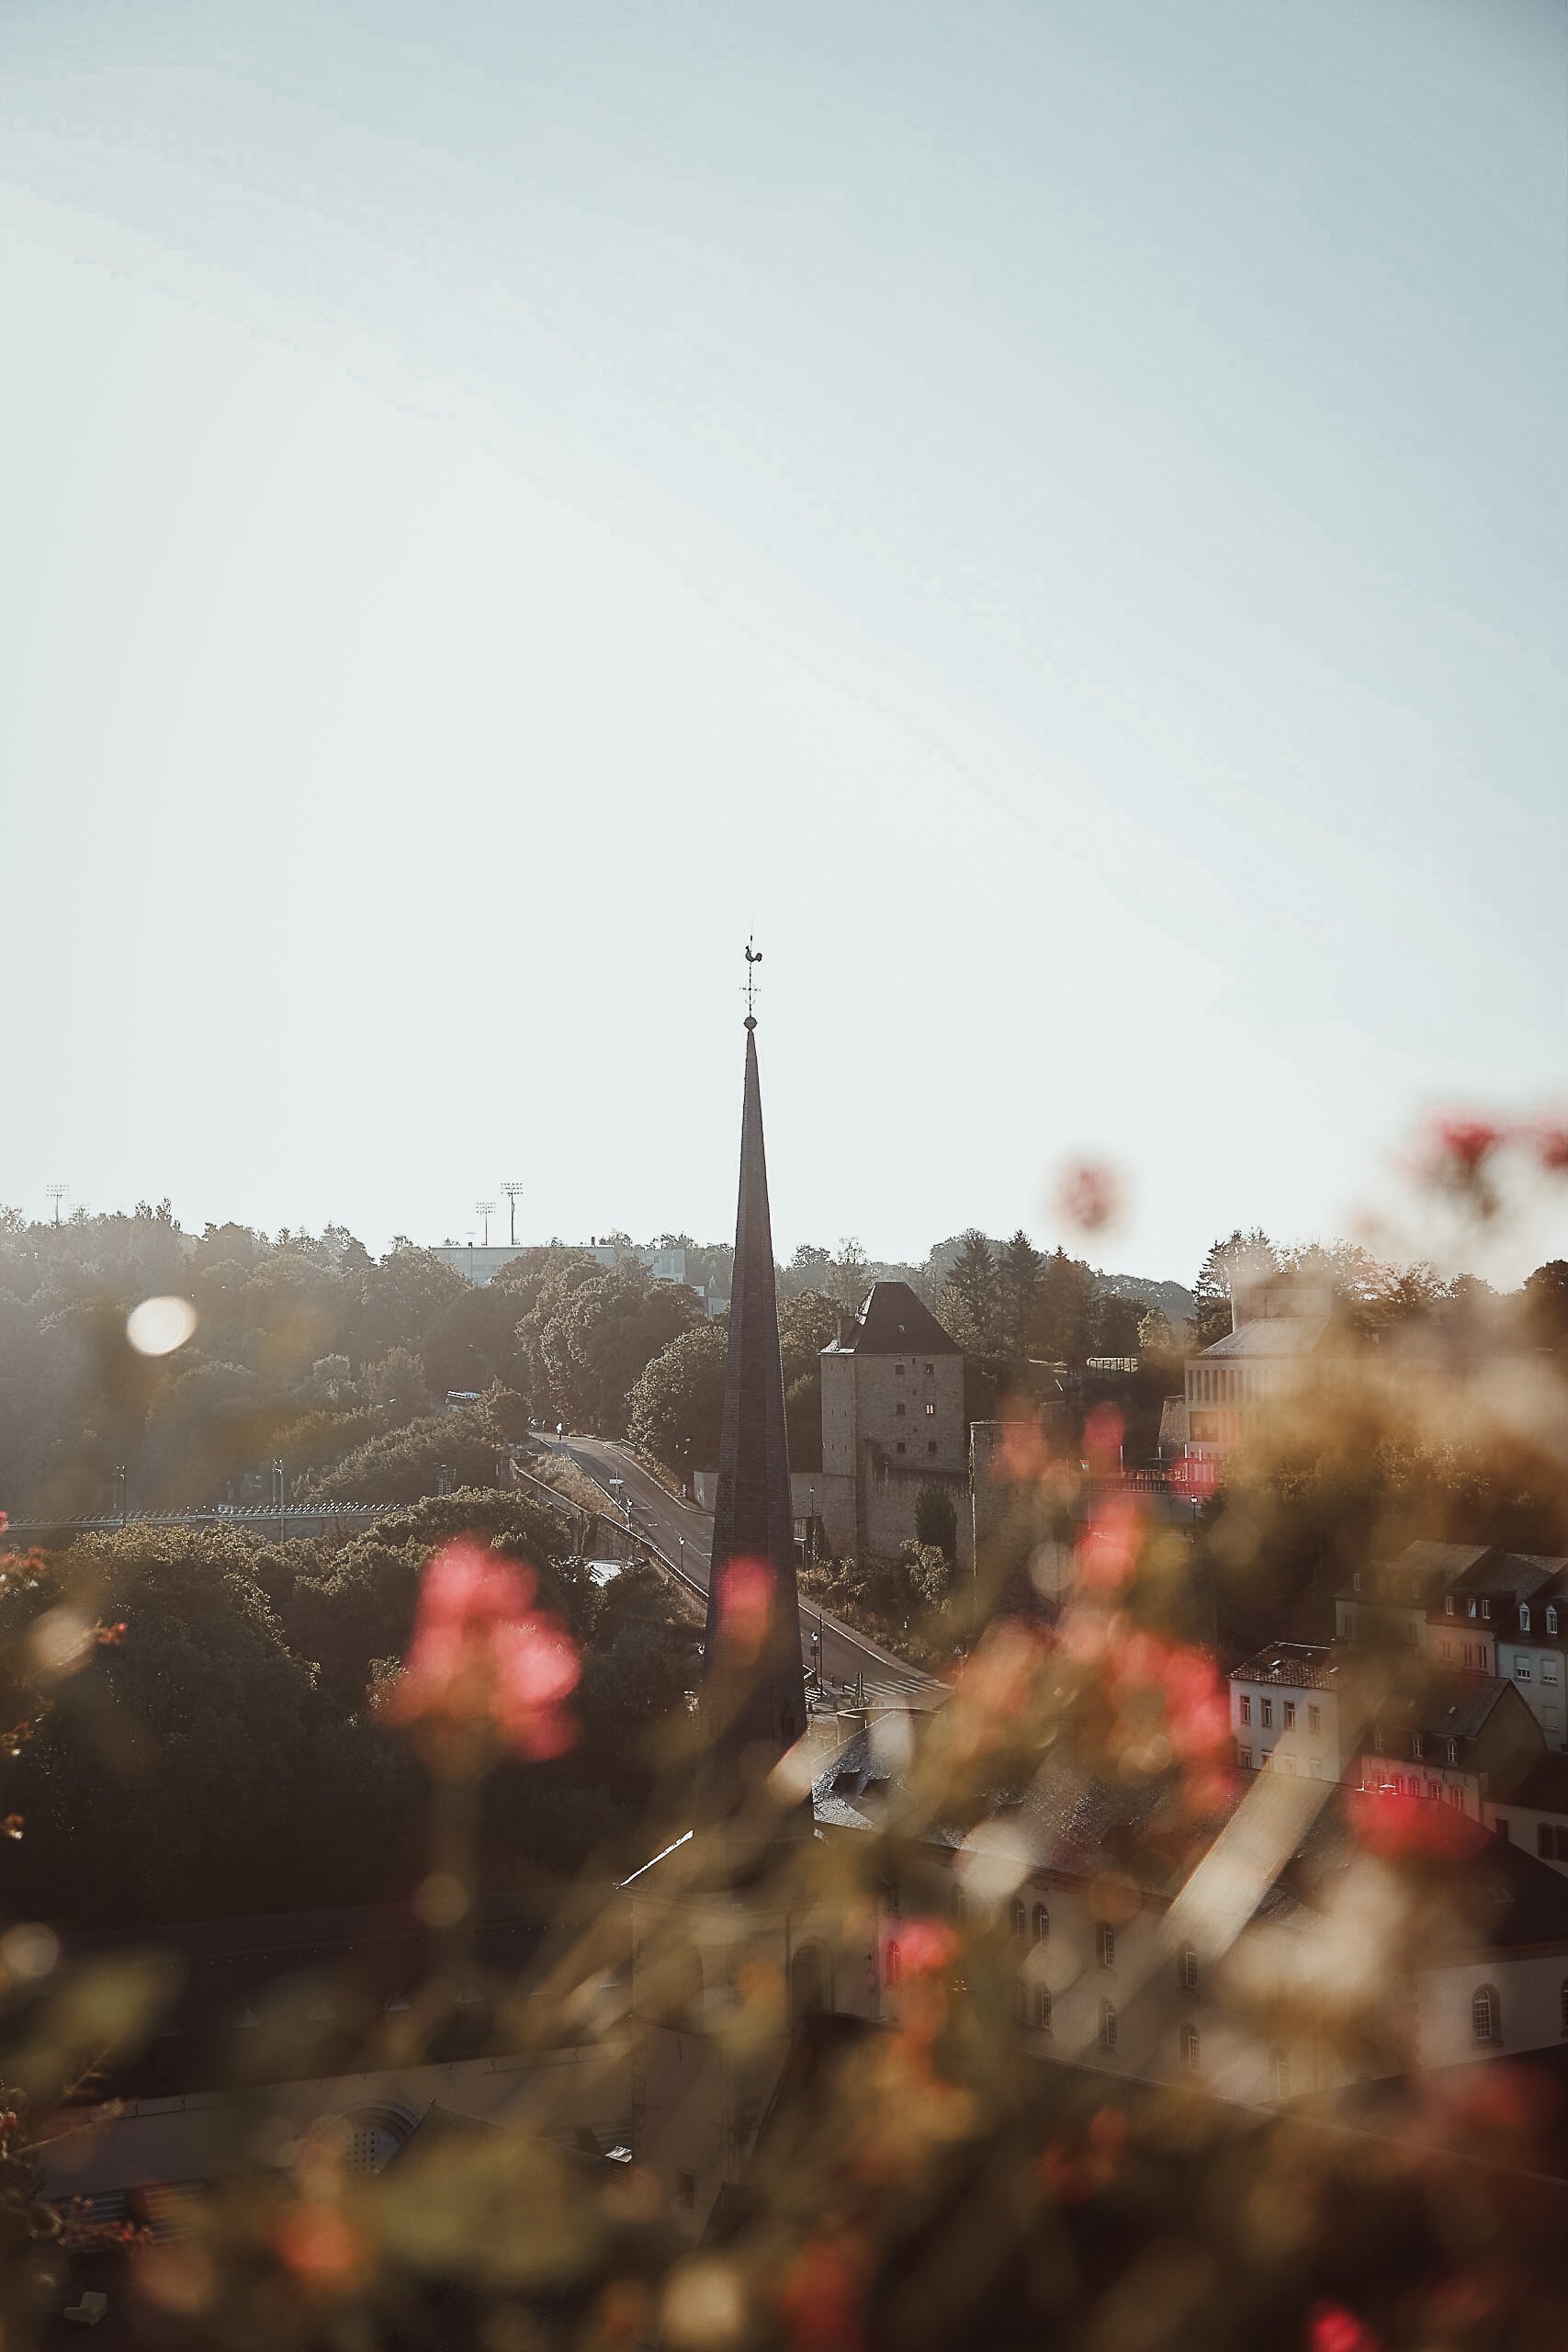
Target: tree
849,1281
1061,1328
807,1326
1545,1301
1116,1323
1018,1280
1156,1337
969,1302
677,1400
1241,1253
936,1520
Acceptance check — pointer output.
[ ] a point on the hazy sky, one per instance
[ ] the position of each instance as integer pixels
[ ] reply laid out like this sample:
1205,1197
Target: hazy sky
1053,514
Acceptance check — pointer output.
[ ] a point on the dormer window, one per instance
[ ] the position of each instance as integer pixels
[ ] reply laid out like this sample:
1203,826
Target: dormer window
1472,1609
1356,1581
1453,1751
1417,1746
1524,1616
1551,1620
1377,1737
1486,1609
1448,1605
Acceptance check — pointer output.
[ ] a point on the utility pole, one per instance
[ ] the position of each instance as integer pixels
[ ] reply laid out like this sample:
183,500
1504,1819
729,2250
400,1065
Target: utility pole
120,1485
512,1191
484,1209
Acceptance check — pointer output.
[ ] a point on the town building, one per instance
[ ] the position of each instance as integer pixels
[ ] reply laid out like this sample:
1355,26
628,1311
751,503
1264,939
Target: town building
1402,1603
1462,1739
1286,1708
1535,1814
893,1422
1531,1638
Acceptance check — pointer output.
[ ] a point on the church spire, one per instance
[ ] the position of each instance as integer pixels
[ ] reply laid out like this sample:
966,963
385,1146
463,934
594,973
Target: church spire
754,1687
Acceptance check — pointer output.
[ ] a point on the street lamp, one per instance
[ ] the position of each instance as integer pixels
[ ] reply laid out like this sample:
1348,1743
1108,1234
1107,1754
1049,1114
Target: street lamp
484,1208
512,1191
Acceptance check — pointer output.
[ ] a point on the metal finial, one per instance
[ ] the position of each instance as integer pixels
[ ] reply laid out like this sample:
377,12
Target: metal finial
753,957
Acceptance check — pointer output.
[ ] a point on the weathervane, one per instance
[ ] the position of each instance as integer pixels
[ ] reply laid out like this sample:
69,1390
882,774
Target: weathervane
753,957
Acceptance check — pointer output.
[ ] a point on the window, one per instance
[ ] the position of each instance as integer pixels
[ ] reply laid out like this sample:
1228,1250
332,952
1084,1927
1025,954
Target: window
1473,1608
1244,1758
1314,1720
1486,1609
1041,1923
1417,1746
893,1968
900,1447
1447,1651
1290,1715
897,1371
1280,2074
1551,1620
1186,1968
1021,1922
1043,2010
1377,1739
1456,1796
930,1445
1485,2014
1356,1581
899,1409
1266,1712
1524,1616
1434,1790
1521,1669
1245,1708
1190,2048
931,1412
1108,2028
929,1369
1453,1751
1548,1670
1105,1944
1448,1605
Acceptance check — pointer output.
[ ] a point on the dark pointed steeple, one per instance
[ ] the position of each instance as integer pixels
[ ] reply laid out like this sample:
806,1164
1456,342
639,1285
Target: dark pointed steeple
754,1688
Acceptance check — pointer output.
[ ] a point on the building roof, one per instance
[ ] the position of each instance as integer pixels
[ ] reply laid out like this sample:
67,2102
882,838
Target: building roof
1307,1666
895,1322
1544,1788
1419,1576
1270,1335
1453,1705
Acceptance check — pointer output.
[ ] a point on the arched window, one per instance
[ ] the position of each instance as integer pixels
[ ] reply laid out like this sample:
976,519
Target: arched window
1190,2053
1105,1944
810,1985
1186,1968
1551,1620
1041,1923
1485,2014
1042,2008
1524,1616
1107,2027
1280,2074
893,1965
1021,1922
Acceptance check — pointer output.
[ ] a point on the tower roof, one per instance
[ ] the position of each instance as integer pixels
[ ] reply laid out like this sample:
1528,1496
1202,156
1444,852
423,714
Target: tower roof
753,1683
895,1322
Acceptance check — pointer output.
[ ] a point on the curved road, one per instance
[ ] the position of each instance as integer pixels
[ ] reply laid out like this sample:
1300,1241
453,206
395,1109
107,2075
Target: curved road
684,1535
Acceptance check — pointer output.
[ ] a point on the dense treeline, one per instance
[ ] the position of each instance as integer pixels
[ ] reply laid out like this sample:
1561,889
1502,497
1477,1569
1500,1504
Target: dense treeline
223,1754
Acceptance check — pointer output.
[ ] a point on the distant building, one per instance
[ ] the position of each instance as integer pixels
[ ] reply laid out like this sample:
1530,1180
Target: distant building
893,1421
1286,1710
480,1264
474,1262
1467,1739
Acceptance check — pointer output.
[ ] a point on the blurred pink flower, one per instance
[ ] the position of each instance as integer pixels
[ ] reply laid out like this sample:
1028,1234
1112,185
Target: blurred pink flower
1108,1549
1463,1144
1547,1140
1395,1825
924,1947
1087,1196
1331,2328
483,1661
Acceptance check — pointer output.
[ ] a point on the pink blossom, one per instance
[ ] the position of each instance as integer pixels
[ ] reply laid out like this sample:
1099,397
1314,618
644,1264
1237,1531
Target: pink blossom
483,1661
924,1946
1547,1139
1461,1145
1331,2328
1108,1549
1087,1196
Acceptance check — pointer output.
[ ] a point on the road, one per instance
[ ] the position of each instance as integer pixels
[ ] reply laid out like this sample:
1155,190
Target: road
684,1535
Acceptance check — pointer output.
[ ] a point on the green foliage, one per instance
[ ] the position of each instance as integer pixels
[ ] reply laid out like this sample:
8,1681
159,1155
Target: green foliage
1061,1328
677,1401
971,1300
1019,1272
936,1520
401,1465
